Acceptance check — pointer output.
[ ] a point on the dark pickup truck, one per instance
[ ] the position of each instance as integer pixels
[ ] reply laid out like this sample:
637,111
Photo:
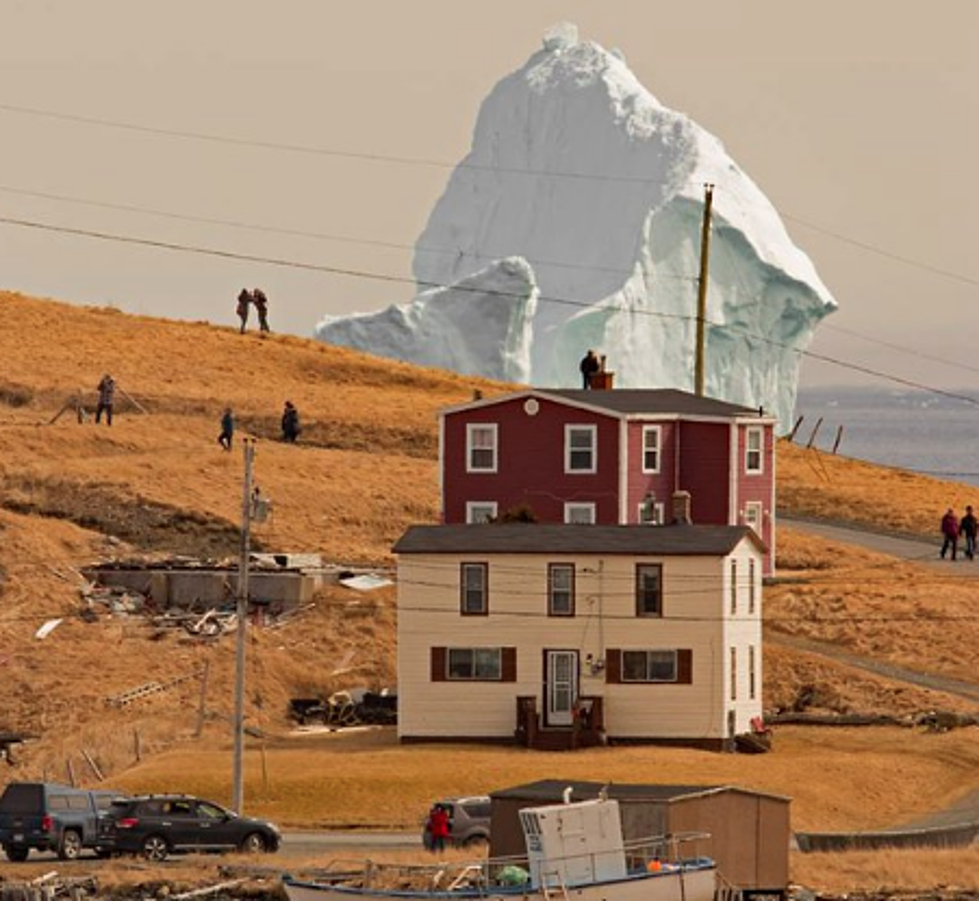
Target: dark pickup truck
50,817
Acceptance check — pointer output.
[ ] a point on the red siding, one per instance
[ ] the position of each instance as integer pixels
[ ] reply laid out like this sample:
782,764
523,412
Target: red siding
759,487
705,453
530,464
638,483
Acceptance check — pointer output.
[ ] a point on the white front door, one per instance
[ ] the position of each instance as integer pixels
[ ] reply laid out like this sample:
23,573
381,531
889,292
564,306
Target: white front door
561,685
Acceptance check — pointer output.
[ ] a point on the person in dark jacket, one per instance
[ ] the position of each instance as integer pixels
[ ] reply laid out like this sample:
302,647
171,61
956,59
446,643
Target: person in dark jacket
950,533
290,423
588,366
262,308
227,429
107,395
244,301
968,526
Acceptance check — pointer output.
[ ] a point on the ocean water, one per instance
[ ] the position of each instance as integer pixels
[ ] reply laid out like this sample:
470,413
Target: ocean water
930,434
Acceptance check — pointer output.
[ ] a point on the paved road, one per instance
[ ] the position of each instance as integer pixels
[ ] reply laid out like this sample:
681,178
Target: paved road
904,547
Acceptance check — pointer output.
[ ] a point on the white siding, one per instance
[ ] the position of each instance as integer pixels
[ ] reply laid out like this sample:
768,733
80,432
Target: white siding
696,616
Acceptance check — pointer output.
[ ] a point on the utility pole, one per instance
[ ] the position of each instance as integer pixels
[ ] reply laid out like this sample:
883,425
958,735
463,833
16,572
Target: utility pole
238,787
698,379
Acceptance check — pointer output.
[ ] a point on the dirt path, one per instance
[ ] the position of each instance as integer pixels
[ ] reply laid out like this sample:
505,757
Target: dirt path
966,810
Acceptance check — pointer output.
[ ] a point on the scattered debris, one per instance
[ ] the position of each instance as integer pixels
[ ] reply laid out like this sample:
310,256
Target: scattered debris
49,887
366,582
148,689
48,627
352,707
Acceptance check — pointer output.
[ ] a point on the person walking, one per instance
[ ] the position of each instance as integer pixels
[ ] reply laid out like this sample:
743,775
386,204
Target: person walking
107,395
244,301
227,429
950,533
290,423
262,308
438,828
588,366
968,526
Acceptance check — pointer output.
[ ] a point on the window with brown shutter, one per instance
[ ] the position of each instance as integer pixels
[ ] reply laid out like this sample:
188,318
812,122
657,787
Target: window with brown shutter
684,668
438,664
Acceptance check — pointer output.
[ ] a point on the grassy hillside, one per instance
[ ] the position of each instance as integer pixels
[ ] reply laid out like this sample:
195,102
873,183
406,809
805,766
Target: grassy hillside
157,483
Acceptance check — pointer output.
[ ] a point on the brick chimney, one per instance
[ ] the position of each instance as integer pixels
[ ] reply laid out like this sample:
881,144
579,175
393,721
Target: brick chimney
681,508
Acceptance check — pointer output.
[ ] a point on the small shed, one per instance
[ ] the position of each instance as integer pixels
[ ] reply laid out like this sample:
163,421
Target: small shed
749,830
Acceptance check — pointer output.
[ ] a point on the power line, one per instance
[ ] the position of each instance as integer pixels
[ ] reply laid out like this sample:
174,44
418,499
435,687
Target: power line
462,288
452,166
880,251
320,236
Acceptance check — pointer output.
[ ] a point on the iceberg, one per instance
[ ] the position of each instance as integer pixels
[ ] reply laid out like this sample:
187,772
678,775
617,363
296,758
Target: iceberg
574,222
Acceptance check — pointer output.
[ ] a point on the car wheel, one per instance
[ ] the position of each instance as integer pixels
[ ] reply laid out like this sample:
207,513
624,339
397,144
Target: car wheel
254,843
17,855
70,846
155,847
475,842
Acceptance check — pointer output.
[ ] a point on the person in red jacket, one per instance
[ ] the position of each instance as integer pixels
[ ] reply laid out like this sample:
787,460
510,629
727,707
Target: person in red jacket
438,827
950,533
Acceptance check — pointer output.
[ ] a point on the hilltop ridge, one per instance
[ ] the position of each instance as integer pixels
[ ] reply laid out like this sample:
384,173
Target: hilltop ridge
157,483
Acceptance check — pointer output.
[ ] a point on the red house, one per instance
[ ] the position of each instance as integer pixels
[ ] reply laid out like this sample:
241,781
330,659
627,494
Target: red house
624,456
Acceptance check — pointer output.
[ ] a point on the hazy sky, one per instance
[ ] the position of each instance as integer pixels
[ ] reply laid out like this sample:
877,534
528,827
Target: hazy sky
857,118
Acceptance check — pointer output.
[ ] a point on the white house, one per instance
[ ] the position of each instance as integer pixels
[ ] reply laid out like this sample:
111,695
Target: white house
561,635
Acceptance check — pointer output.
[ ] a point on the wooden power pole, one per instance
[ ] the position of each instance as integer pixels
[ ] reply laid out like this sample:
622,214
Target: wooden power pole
238,788
698,379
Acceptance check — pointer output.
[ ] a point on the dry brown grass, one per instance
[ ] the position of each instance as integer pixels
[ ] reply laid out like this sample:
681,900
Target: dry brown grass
817,484
365,469
367,779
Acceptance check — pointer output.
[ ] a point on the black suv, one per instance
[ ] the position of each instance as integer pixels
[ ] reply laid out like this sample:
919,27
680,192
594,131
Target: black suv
51,817
158,825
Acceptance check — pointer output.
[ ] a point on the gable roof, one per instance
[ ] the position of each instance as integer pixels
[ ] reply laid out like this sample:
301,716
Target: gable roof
554,538
627,402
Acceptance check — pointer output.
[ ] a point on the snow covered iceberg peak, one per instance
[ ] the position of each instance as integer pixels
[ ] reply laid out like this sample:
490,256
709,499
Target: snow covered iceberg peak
579,171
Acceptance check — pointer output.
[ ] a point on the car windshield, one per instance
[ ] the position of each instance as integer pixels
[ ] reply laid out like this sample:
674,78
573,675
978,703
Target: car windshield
211,811
22,798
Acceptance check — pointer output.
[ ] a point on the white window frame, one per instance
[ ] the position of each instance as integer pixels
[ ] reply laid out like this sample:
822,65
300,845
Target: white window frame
659,514
734,587
648,430
571,428
752,675
571,508
734,673
664,654
471,429
467,592
754,512
752,586
554,592
473,507
751,434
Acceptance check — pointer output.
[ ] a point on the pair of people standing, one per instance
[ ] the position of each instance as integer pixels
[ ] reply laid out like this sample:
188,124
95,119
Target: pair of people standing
290,425
953,529
257,298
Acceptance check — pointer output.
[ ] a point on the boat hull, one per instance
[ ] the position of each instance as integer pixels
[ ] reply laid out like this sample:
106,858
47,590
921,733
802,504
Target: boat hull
677,885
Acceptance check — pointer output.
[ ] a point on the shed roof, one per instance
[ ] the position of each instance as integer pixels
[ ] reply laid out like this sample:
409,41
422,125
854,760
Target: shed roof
553,790
553,538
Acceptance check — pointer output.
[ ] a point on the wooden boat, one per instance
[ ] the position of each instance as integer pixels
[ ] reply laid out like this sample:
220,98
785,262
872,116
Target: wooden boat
575,852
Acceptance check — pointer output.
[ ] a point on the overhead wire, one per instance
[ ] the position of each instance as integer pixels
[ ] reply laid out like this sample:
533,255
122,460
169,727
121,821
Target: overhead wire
463,288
